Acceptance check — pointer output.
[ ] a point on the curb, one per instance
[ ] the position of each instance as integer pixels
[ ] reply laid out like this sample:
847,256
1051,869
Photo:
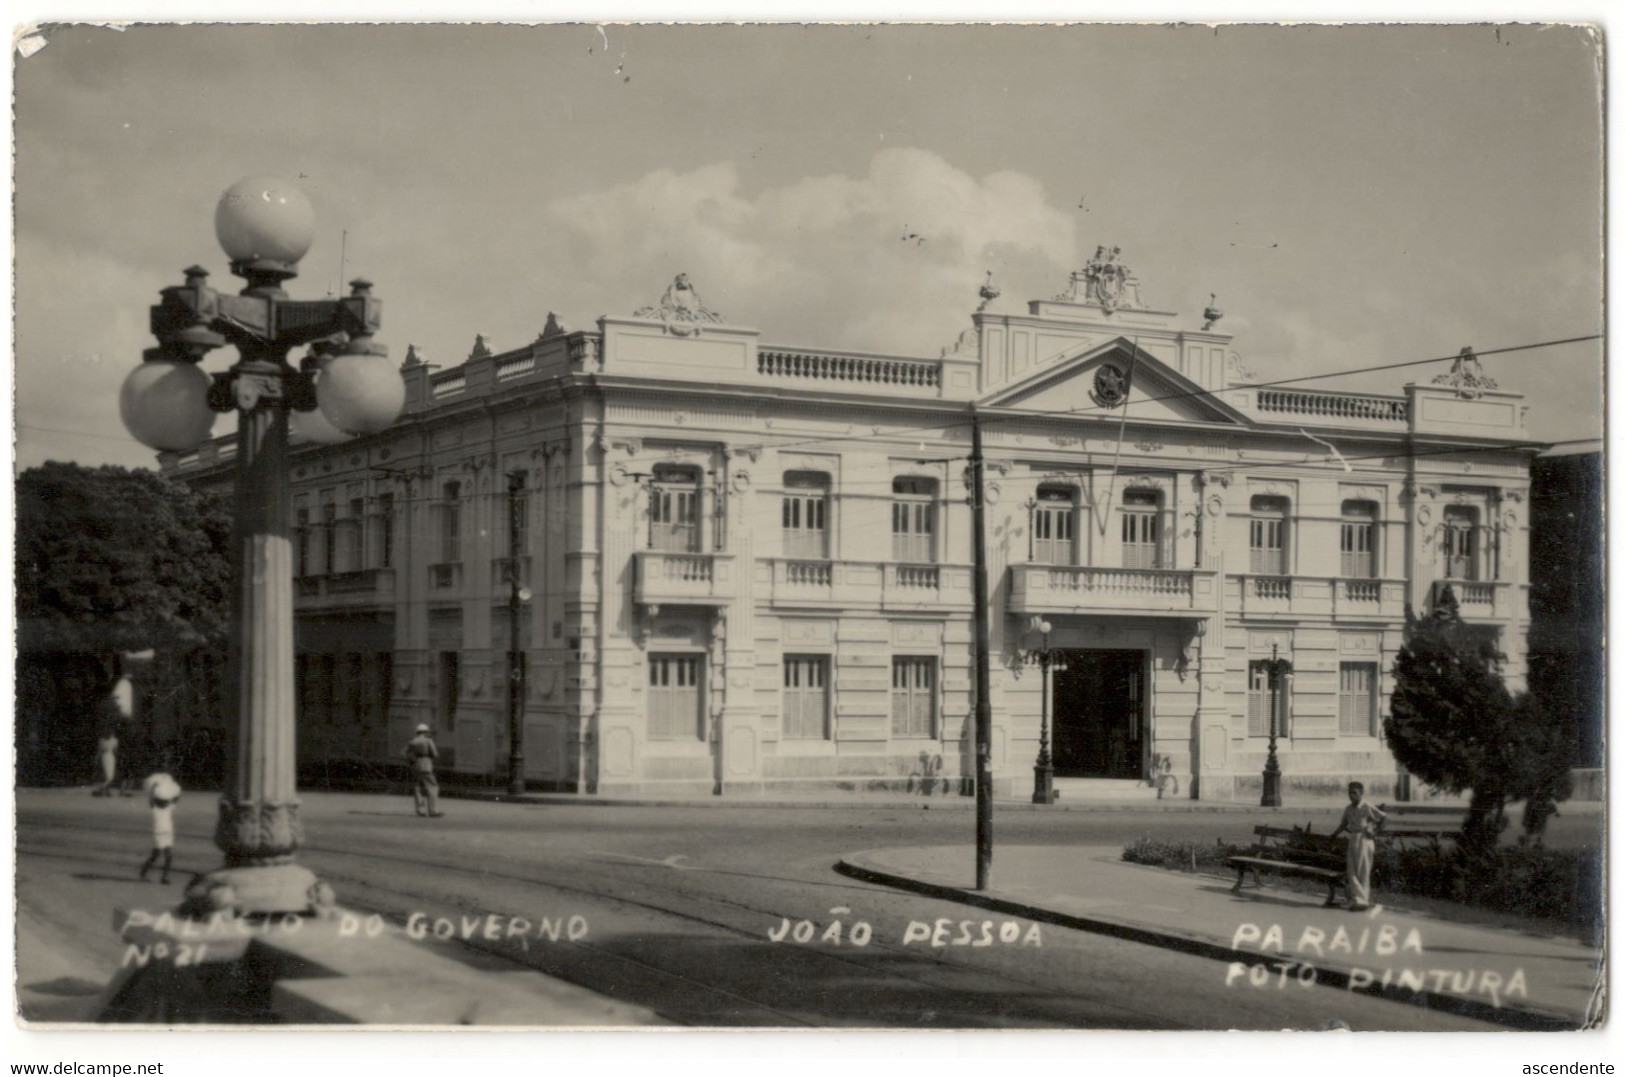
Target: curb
1527,1019
951,804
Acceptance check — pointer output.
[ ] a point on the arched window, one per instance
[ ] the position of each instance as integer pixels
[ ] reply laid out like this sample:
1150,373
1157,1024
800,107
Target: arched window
674,510
1054,525
1359,540
1267,537
805,514
1142,529
914,520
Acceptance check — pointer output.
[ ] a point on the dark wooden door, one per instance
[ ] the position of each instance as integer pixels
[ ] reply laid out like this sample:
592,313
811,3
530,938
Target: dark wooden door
1098,715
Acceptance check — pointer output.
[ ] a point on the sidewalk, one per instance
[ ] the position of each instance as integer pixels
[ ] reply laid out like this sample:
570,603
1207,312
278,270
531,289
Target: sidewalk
1271,938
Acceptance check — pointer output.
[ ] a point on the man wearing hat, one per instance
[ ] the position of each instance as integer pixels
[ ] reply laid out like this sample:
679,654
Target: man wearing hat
420,753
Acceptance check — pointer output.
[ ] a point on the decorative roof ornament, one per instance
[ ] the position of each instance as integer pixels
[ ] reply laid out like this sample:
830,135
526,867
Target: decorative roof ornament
553,328
970,341
1236,370
412,358
1212,313
479,351
1105,282
1467,376
681,309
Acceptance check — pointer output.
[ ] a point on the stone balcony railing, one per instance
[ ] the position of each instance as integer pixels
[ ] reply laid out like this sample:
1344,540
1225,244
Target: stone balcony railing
1310,596
817,584
1055,589
446,576
663,578
339,588
1480,599
502,572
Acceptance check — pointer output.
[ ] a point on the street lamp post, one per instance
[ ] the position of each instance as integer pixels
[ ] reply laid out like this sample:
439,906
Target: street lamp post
1044,769
517,596
1277,668
265,227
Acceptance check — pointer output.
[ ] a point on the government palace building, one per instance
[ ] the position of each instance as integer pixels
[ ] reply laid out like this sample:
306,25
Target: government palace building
742,567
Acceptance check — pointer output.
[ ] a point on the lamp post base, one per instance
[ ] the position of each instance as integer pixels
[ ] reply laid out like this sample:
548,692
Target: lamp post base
259,890
1043,784
1272,789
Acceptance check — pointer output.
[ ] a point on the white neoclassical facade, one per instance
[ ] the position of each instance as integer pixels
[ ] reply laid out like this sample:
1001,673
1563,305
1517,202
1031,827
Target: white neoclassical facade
748,567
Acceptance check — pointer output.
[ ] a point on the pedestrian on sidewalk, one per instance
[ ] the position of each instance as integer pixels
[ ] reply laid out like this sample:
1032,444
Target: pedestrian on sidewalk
162,793
1362,821
107,761
420,752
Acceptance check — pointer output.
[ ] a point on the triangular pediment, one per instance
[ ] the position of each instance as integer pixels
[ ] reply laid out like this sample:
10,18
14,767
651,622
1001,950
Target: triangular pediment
1090,382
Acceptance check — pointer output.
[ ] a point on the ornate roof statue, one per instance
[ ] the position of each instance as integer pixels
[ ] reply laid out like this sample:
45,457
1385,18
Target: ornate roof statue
553,328
969,342
1105,282
1212,313
681,309
1466,376
411,359
480,351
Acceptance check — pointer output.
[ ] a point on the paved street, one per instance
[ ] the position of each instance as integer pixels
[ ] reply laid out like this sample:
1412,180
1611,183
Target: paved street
680,907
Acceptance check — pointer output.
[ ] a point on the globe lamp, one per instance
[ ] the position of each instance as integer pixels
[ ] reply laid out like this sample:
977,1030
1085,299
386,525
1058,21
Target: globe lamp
359,390
264,219
164,405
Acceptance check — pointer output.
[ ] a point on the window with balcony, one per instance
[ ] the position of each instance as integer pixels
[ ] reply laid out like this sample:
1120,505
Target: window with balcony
1260,699
675,698
354,535
301,543
518,532
1142,529
804,515
806,697
386,530
913,696
914,520
451,524
1054,526
674,510
1357,699
1266,553
1459,542
330,537
1359,540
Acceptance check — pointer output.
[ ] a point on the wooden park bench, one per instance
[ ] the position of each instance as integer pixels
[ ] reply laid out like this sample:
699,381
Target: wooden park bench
1425,826
1293,851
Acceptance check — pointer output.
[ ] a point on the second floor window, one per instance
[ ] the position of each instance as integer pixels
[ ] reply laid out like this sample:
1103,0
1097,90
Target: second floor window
914,520
354,525
1142,529
451,524
518,516
674,510
1053,526
1460,542
1266,553
386,530
1359,540
805,515
301,538
330,537
913,696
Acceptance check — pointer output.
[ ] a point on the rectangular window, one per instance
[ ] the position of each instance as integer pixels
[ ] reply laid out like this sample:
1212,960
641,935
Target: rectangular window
674,511
1460,543
913,696
806,696
386,530
354,534
1053,523
914,521
1267,537
1142,543
301,538
518,515
451,525
330,537
1359,540
1260,699
675,698
804,516
1357,699
450,688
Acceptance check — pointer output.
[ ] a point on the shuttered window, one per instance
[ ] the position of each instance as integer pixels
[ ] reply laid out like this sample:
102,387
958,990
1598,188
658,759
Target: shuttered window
1142,527
913,696
1053,526
675,696
806,697
804,515
451,524
1460,543
1267,537
1357,699
914,520
674,511
1359,540
1259,701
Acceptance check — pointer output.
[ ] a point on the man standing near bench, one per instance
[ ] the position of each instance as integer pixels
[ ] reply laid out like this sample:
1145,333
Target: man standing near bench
1362,821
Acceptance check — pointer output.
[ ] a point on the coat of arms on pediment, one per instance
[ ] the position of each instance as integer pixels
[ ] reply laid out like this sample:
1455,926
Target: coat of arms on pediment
680,309
1105,282
1111,386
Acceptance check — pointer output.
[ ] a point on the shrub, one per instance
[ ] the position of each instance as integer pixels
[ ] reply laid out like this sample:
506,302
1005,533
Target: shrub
1180,855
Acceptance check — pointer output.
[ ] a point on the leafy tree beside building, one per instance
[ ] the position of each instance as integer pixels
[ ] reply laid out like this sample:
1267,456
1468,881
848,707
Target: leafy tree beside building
109,561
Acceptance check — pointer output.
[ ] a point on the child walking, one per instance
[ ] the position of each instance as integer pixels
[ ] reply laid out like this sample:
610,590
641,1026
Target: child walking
162,793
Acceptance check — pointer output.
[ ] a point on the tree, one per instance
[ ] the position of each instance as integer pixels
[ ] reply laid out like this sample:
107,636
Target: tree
109,560
1453,723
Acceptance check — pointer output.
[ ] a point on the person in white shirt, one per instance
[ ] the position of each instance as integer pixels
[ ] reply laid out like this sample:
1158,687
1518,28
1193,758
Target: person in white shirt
1362,821
162,793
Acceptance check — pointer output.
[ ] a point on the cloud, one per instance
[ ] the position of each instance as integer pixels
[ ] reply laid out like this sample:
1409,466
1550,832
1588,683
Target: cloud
890,261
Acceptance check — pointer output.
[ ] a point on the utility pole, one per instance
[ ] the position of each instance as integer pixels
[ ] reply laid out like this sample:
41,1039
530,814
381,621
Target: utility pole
516,668
984,704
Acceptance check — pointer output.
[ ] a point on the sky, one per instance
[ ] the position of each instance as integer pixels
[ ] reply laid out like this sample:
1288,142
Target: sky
1353,195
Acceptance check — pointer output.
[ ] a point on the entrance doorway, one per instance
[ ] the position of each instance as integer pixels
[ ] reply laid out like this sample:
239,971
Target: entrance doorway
1098,703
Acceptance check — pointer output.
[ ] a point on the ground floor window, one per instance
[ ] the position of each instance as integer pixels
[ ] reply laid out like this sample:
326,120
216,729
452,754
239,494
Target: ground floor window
913,696
1260,699
674,696
1357,699
806,696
